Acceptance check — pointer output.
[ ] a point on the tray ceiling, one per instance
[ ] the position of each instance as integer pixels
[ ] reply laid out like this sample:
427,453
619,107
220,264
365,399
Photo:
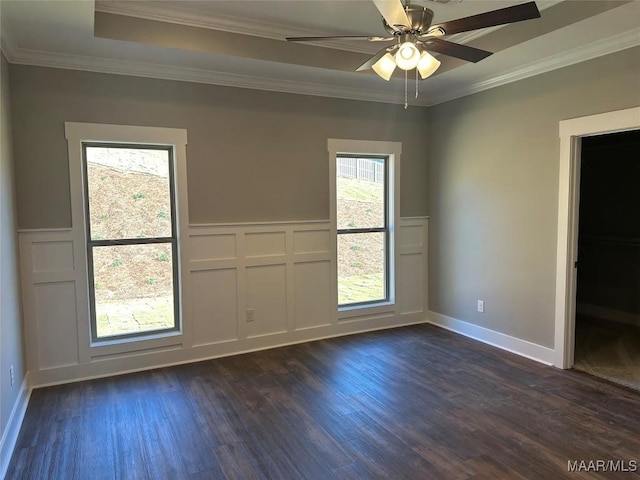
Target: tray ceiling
241,43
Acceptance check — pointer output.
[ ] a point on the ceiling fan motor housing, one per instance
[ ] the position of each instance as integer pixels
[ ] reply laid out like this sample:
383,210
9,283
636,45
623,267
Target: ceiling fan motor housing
420,17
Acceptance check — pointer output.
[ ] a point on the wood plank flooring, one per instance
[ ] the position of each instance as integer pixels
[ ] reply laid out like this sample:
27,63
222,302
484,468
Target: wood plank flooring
410,403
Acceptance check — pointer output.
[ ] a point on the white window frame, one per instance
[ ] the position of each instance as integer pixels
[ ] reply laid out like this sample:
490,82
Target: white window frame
393,152
77,134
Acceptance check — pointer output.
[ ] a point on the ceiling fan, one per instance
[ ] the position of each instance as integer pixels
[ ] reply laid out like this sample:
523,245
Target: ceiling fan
409,26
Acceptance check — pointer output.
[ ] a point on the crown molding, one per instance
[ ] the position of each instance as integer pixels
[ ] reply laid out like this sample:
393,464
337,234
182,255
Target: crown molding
170,72
583,53
260,28
226,23
127,67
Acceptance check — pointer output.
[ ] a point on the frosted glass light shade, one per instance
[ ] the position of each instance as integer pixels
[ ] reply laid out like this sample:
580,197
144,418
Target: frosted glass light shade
427,65
407,56
385,66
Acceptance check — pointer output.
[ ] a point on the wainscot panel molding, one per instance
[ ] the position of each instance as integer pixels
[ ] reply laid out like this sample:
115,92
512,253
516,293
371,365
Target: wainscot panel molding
251,286
50,285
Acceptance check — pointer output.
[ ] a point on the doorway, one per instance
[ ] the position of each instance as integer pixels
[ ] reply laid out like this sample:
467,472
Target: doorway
607,320
571,133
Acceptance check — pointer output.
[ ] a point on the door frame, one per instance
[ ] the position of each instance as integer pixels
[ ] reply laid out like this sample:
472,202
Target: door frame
571,133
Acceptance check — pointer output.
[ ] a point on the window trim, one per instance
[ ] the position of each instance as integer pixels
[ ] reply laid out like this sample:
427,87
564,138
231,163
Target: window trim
384,229
90,244
362,148
96,133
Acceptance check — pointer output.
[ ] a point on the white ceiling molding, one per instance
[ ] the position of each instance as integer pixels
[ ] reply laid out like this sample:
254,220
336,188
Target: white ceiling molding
171,72
168,72
583,53
198,18
259,28
388,93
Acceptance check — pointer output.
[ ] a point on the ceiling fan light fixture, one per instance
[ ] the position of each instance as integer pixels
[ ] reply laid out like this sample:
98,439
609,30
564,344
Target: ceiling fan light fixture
427,65
385,66
407,56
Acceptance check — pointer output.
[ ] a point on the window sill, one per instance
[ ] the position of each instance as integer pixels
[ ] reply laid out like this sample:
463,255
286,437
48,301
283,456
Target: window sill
152,341
366,310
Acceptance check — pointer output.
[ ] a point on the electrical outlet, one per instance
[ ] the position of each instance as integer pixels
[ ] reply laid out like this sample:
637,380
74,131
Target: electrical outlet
250,315
11,375
481,306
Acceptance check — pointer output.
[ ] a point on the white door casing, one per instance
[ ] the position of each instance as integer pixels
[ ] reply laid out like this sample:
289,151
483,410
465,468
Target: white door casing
571,131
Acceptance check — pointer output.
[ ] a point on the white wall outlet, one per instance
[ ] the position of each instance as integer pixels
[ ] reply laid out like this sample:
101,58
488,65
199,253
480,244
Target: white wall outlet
481,306
250,315
11,375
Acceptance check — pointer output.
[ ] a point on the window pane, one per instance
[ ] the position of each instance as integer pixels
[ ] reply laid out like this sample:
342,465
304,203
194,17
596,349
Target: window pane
133,287
361,267
360,192
129,193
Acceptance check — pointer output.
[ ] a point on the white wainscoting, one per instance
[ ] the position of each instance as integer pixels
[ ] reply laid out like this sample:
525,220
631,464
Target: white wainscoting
49,298
412,288
250,287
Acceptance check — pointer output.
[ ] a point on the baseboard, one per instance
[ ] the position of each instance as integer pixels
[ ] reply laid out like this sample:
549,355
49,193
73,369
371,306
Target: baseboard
608,314
130,363
515,345
10,436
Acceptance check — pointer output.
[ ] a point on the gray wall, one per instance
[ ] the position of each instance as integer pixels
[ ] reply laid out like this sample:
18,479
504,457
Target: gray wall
11,340
252,155
493,187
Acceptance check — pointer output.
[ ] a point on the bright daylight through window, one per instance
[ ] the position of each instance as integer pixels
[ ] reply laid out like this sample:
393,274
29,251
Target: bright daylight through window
131,239
363,229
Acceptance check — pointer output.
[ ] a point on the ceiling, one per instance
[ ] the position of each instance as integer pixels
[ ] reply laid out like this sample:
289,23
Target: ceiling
241,42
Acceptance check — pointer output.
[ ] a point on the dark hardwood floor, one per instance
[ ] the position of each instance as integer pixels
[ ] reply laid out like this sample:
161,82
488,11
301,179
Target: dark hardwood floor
415,403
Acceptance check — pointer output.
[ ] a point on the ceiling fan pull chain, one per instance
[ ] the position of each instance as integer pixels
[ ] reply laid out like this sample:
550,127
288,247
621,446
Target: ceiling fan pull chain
416,83
406,84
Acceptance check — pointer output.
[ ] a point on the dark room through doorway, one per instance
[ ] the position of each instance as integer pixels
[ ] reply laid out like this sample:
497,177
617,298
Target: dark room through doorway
607,334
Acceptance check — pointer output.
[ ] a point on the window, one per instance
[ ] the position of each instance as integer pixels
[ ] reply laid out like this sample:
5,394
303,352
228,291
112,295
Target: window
364,214
362,229
129,214
131,239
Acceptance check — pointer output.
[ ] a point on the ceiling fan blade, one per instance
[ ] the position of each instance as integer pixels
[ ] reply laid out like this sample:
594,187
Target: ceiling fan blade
470,54
394,13
381,53
371,38
516,13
